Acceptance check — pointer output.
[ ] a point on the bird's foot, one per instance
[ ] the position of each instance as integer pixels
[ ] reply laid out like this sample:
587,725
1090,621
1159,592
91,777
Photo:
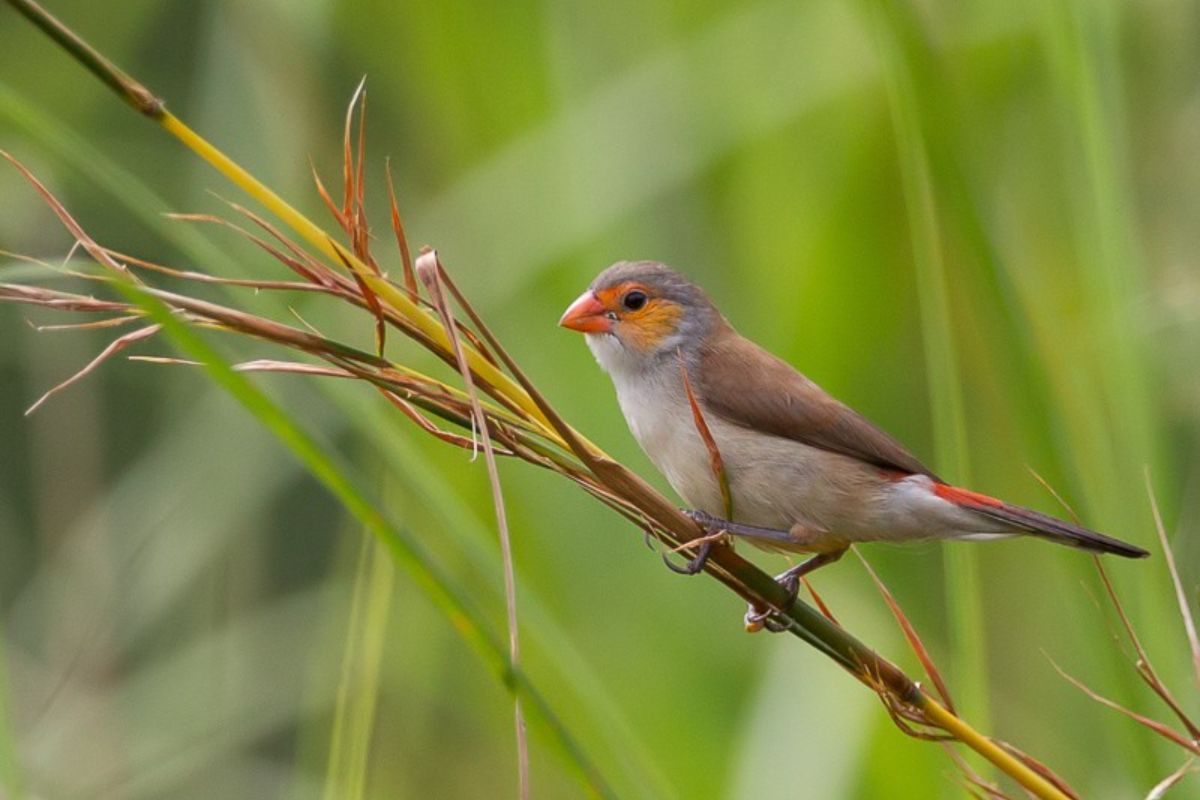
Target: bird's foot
696,563
714,529
759,617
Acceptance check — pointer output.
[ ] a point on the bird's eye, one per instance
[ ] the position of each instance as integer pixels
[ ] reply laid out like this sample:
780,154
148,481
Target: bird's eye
634,300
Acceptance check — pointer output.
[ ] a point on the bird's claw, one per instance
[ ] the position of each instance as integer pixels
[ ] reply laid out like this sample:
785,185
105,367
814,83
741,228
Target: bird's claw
710,525
695,564
758,617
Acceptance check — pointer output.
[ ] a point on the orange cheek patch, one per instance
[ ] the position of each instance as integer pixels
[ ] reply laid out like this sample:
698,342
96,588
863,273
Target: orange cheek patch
647,328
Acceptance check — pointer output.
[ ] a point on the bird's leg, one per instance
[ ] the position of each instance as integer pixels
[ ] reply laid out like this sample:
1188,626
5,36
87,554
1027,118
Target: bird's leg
713,524
715,527
758,618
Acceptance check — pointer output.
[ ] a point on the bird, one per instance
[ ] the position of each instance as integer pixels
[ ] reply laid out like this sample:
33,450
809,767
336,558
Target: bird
803,472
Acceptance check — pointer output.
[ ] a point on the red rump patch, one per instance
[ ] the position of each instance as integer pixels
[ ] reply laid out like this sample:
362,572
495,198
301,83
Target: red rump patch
964,497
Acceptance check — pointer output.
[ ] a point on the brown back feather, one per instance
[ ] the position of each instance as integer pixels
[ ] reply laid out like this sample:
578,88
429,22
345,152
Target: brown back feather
795,407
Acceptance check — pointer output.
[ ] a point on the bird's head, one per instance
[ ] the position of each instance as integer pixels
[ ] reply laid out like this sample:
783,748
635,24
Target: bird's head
637,312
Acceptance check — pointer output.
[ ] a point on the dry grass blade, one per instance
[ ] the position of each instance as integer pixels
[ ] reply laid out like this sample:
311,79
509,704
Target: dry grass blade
1162,730
692,544
430,271
1045,484
58,300
37,262
376,311
905,715
361,233
323,193
354,215
1144,667
410,411
259,365
1185,610
204,277
715,462
300,261
976,784
114,322
1162,787
910,634
348,172
1040,769
81,237
410,277
818,600
114,347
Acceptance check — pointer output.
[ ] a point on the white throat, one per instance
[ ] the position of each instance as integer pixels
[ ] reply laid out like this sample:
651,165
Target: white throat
610,354
650,393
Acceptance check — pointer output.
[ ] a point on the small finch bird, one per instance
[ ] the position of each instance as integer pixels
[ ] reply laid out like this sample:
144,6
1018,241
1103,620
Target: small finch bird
805,473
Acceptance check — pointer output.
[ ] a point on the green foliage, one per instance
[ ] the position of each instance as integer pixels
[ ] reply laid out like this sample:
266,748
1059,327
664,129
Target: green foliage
168,569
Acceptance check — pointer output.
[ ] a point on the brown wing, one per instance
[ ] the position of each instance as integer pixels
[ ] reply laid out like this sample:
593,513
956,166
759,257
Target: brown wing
732,371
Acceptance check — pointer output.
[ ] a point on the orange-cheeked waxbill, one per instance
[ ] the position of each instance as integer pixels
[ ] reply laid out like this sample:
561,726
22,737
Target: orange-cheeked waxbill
806,473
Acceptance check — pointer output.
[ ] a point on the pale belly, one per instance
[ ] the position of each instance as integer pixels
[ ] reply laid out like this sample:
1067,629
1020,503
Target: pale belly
780,483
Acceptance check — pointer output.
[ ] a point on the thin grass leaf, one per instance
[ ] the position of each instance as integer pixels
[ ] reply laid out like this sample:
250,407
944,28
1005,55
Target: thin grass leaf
467,443
204,277
81,237
429,269
1162,730
1185,609
354,212
818,600
1166,784
1144,667
114,347
300,261
1039,768
323,193
340,760
406,263
1058,498
59,301
31,268
12,781
358,685
715,462
972,781
910,634
963,599
362,233
348,191
112,322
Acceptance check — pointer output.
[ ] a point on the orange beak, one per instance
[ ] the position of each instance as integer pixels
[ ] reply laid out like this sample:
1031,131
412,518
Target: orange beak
586,315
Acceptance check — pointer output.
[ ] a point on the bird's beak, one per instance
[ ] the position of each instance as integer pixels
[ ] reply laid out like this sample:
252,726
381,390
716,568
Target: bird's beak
586,315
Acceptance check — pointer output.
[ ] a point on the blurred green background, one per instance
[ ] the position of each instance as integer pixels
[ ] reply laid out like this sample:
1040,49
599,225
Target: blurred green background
977,223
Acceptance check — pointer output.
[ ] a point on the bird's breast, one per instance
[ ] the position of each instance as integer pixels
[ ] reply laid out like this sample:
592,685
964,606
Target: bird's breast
660,418
775,482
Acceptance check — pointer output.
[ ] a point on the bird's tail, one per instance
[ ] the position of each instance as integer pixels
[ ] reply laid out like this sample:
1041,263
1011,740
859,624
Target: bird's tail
1026,520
